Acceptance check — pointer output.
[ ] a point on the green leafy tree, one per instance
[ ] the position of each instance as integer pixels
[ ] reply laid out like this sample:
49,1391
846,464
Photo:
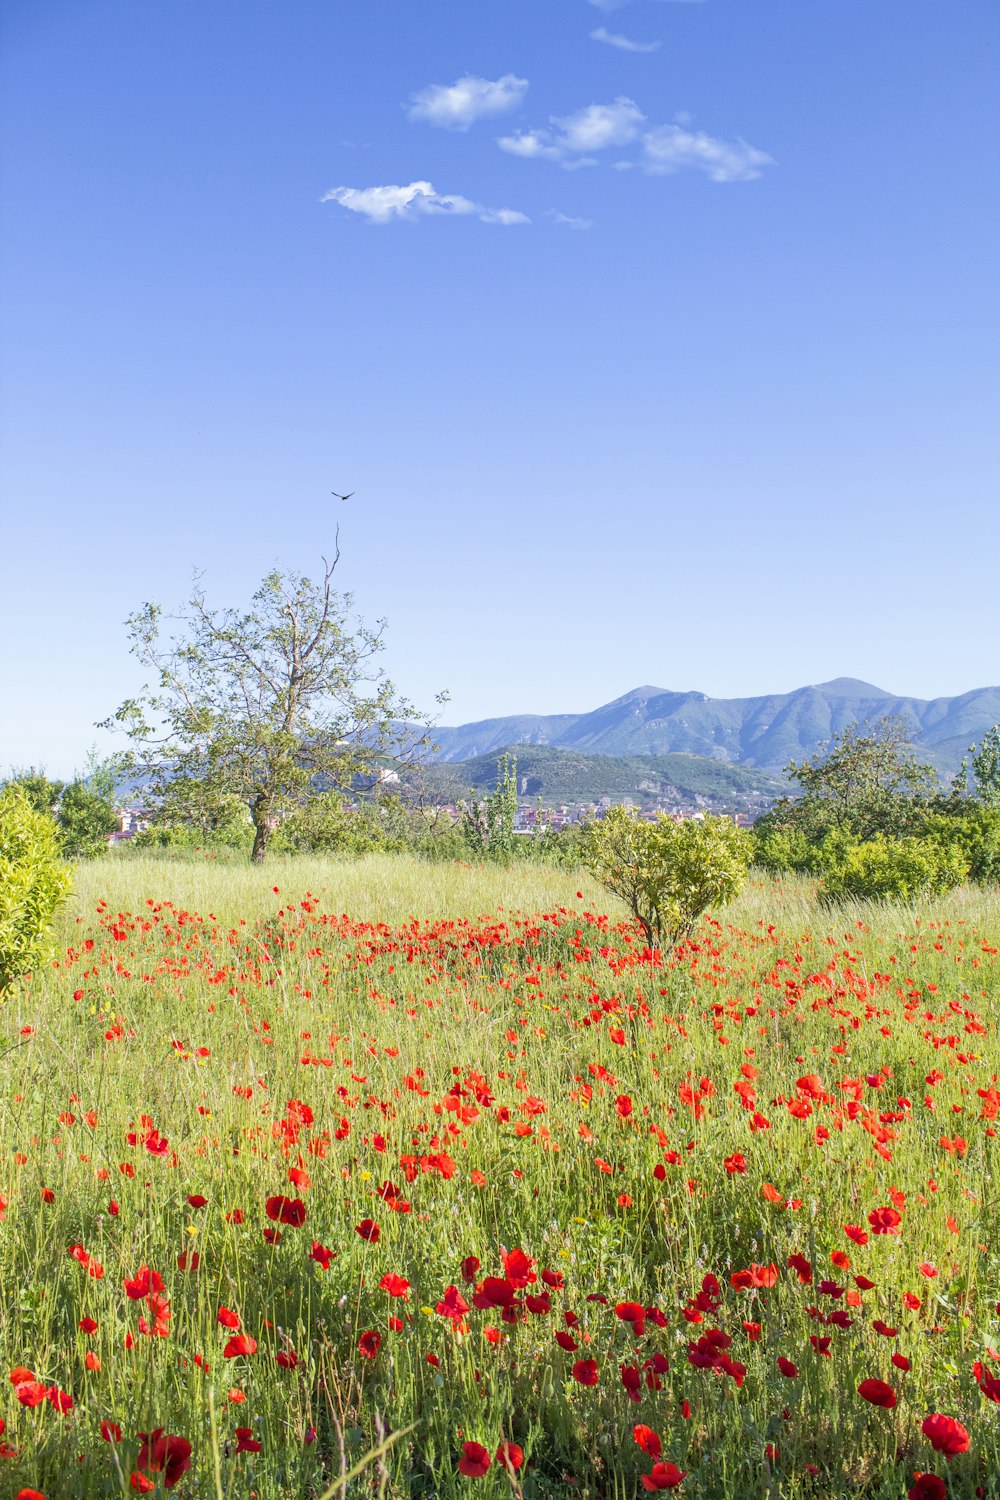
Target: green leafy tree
866,784
33,883
85,819
985,771
268,706
668,873
488,824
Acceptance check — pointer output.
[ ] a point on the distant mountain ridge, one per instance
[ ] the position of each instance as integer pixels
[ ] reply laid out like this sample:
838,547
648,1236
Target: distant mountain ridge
764,732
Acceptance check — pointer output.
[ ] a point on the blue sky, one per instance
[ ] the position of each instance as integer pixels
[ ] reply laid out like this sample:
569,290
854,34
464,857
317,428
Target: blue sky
675,365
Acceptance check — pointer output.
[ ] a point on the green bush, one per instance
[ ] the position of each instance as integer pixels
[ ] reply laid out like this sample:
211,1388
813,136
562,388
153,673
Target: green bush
668,873
33,882
891,869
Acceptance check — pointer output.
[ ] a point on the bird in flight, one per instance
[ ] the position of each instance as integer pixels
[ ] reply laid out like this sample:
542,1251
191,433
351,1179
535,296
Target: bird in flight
341,497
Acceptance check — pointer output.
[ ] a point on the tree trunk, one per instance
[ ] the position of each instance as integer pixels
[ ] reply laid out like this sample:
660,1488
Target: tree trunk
262,832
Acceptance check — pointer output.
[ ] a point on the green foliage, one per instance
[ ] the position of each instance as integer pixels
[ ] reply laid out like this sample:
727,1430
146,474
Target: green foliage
866,784
85,819
883,869
328,824
668,873
267,706
33,882
83,810
985,769
488,825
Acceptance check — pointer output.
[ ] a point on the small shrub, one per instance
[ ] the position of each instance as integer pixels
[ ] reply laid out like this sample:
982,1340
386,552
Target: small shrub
33,882
668,873
892,870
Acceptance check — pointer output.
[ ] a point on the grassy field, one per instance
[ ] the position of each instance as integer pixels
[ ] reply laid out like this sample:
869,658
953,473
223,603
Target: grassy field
329,1179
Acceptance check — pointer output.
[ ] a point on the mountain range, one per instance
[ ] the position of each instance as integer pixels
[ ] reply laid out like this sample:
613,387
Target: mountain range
765,732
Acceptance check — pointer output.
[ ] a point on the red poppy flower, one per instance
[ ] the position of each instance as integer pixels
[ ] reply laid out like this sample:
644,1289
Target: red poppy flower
585,1371
111,1432
878,1392
510,1457
287,1359
475,1460
665,1476
286,1210
396,1286
164,1454
634,1313
369,1343
945,1434
647,1439
30,1392
227,1318
26,1494
787,1368
142,1283
519,1269
452,1304
241,1343
245,1441
369,1231
321,1255
927,1487
885,1220
87,1325
470,1266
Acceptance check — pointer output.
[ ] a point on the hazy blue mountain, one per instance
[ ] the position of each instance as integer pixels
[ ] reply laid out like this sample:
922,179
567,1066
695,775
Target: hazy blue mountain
765,732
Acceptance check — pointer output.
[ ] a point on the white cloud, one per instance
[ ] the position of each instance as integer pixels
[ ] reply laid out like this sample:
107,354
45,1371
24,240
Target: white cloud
623,43
380,205
669,148
570,140
458,105
568,221
573,137
600,125
531,144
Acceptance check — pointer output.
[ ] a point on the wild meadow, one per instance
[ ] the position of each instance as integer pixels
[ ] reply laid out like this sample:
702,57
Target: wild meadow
327,1179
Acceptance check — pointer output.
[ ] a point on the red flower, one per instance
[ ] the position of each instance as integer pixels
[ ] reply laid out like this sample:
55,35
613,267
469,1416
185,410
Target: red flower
245,1441
241,1343
510,1457
634,1313
585,1371
286,1210
519,1269
111,1432
227,1318
321,1255
164,1454
369,1231
927,1487
945,1434
665,1476
452,1304
885,1220
287,1359
787,1368
396,1286
369,1343
878,1392
142,1283
647,1440
475,1460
